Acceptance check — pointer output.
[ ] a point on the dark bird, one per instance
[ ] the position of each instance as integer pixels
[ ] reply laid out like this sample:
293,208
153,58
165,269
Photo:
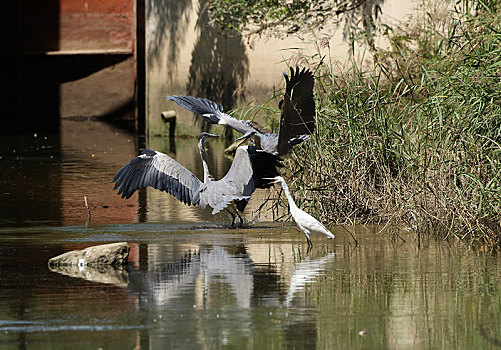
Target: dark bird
297,118
158,170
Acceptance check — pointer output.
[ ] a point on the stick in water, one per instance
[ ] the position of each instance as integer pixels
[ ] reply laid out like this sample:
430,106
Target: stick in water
87,206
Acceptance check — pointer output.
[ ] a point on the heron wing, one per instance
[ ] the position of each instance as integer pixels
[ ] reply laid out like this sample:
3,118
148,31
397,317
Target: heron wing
158,170
239,176
297,118
247,172
212,112
237,185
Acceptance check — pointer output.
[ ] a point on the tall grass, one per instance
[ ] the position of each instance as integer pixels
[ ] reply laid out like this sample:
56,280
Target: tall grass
416,139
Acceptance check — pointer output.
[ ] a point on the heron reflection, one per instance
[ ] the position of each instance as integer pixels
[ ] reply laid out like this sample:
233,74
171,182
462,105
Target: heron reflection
195,272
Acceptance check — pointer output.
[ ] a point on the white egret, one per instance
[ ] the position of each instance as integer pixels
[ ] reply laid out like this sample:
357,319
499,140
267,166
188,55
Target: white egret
307,223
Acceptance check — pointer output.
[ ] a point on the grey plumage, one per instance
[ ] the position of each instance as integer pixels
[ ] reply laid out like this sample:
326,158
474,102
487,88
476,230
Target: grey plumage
212,112
158,170
297,119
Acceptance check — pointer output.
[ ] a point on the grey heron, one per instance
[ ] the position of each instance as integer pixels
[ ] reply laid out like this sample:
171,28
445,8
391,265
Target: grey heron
307,223
297,118
158,170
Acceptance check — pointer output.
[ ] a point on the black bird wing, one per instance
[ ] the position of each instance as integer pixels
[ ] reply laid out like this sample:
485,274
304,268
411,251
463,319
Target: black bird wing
158,170
297,119
264,165
250,166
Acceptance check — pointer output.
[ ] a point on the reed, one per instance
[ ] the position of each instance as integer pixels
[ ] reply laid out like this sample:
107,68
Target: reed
416,139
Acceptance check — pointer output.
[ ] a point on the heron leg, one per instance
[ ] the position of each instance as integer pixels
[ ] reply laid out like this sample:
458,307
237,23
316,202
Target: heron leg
307,233
234,214
310,244
242,221
232,217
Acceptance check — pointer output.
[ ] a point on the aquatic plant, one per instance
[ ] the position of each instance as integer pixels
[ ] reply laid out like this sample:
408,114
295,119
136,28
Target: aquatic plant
415,139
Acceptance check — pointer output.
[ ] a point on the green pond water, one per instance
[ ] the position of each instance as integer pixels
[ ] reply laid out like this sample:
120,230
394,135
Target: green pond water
193,283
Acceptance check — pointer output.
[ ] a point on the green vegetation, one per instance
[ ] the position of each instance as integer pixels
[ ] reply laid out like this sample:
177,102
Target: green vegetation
283,17
415,139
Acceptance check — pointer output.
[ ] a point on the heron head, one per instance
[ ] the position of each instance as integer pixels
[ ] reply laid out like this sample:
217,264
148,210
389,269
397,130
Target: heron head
245,137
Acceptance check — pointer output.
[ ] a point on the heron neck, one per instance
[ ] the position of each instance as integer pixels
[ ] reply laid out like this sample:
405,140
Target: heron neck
201,148
292,205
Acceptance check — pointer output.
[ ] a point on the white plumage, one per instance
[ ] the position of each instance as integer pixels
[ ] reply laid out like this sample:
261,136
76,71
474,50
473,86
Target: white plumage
307,223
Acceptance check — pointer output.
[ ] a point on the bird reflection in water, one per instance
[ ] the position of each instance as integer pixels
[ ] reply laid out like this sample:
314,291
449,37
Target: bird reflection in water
187,289
305,272
195,272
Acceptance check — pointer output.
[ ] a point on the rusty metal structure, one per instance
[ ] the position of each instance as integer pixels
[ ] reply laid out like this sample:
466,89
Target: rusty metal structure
69,59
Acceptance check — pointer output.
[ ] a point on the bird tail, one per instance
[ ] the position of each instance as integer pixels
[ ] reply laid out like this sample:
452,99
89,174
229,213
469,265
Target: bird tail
227,200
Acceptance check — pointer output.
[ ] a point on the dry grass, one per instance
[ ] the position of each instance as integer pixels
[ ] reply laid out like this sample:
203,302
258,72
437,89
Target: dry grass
415,141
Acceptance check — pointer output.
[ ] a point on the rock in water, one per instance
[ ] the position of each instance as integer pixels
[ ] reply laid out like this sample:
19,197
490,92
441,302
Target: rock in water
114,254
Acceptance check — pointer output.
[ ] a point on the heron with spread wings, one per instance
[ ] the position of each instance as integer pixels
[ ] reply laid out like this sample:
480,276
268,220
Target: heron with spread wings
297,114
155,169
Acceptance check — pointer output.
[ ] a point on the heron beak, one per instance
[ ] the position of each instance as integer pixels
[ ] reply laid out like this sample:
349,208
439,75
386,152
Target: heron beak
244,138
214,136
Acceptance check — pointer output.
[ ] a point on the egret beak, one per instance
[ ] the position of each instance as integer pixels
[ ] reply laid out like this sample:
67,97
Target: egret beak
273,180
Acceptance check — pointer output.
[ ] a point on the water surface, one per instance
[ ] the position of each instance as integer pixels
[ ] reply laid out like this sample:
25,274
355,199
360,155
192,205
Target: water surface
193,283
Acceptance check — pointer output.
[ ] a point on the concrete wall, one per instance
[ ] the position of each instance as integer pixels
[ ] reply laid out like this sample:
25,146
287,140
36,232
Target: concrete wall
185,56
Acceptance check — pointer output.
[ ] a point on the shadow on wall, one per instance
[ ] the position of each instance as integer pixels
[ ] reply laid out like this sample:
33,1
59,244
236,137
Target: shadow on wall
169,20
219,65
361,21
